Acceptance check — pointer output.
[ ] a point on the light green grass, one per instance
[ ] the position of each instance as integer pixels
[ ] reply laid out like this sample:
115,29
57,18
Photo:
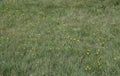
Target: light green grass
59,38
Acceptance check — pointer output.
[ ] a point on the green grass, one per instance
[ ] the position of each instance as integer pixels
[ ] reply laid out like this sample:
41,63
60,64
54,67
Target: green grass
59,38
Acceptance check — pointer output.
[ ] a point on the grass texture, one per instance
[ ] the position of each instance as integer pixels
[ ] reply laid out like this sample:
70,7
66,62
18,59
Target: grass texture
59,37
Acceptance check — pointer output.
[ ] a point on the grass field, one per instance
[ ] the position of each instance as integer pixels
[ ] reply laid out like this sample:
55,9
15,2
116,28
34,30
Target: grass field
59,37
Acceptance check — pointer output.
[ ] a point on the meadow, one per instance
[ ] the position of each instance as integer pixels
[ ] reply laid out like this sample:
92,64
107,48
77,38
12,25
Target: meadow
59,37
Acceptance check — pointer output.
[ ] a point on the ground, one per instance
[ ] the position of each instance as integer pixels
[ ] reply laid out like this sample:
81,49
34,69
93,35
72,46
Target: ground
59,38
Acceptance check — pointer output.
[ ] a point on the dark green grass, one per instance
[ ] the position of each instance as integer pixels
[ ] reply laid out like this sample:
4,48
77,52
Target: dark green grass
59,38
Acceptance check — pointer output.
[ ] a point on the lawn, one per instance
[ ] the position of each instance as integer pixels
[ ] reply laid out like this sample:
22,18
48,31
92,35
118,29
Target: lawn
59,37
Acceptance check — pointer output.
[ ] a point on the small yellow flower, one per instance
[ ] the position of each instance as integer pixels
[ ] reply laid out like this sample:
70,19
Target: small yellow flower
97,52
74,39
115,58
88,53
87,68
70,38
50,49
33,49
29,50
